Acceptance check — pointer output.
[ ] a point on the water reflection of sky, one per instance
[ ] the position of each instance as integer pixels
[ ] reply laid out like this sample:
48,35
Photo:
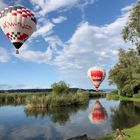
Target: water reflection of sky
15,124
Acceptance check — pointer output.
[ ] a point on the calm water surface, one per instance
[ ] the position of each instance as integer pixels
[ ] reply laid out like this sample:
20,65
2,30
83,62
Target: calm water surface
18,123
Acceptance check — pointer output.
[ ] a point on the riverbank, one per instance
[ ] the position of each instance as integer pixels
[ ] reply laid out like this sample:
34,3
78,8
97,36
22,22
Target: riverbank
114,96
133,134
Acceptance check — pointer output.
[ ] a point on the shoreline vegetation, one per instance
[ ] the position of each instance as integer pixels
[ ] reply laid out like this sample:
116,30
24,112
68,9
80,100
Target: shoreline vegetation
115,96
48,99
59,95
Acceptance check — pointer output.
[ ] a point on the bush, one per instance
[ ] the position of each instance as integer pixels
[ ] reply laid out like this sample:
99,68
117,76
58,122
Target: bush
112,96
60,88
114,91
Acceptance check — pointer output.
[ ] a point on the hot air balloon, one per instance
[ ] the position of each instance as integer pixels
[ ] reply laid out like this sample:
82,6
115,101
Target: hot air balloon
18,23
96,75
98,114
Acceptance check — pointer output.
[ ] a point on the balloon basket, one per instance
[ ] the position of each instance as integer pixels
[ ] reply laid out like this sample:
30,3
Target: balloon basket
17,52
97,89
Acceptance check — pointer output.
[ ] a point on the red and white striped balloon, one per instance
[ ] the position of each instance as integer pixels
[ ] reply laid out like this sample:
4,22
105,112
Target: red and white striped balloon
18,23
96,75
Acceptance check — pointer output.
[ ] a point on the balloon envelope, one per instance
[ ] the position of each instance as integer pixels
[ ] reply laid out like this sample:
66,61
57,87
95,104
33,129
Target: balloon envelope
96,75
18,23
98,114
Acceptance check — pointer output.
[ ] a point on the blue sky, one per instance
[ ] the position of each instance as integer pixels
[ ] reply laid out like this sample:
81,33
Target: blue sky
71,37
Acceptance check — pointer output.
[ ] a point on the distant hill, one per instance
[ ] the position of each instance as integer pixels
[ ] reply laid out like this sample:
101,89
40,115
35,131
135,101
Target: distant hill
49,90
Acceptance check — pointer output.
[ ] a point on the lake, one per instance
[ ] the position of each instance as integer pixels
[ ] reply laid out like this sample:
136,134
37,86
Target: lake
19,123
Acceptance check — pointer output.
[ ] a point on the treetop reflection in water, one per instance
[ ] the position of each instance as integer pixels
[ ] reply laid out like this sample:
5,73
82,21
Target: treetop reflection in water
98,114
58,115
126,115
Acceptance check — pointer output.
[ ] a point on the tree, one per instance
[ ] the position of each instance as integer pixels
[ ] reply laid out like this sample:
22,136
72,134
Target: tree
125,73
60,88
122,73
118,74
131,31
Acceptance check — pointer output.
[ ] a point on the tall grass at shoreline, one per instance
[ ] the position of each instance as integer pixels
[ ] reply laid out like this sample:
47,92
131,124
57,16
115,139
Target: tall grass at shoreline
52,100
16,98
47,99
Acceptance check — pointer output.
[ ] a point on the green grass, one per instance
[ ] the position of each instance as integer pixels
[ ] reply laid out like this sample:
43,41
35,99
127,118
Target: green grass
133,132
114,96
129,99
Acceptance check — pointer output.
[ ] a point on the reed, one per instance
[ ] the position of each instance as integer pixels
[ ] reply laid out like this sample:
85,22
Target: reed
52,100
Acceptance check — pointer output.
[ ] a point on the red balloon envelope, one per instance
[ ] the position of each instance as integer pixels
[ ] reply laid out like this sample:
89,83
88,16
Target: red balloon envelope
96,75
98,114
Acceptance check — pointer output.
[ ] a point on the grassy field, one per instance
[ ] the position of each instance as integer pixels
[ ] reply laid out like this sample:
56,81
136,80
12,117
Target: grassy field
133,132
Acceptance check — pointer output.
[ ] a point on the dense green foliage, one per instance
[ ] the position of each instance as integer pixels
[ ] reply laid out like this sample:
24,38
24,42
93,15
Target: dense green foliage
131,31
60,88
122,73
126,73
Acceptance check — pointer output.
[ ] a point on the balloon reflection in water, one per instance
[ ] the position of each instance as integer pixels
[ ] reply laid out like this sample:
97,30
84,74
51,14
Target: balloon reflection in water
98,114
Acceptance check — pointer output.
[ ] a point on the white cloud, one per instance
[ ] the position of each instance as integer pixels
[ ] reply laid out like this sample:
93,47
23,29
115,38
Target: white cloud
47,6
45,27
55,46
44,30
59,19
36,56
127,8
4,55
83,5
89,45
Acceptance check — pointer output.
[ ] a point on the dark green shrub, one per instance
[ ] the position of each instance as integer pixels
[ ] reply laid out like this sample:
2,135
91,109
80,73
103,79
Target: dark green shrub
60,88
